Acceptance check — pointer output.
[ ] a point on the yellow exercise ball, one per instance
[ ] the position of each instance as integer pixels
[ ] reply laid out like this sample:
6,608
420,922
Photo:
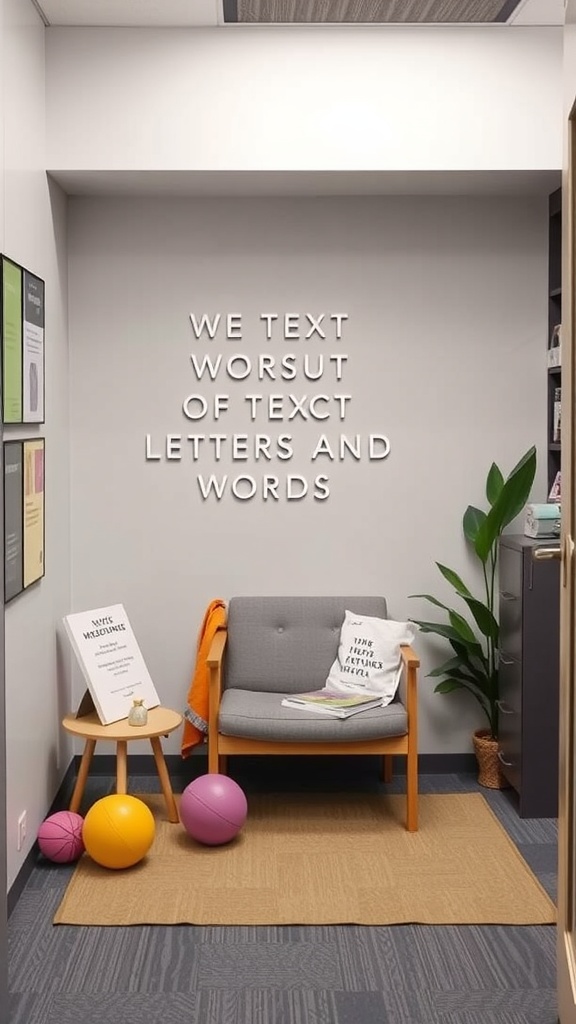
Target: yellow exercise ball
118,830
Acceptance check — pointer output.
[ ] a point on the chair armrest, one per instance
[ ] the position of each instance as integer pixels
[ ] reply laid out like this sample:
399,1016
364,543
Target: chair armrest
216,652
407,690
409,657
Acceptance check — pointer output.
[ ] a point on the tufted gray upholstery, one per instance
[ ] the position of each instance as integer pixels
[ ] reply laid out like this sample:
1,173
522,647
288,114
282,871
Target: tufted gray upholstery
287,644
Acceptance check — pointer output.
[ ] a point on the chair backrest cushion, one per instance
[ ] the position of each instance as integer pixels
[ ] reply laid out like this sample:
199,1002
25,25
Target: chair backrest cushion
287,644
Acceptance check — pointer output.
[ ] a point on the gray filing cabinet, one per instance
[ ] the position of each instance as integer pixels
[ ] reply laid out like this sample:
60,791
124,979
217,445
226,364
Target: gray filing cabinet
529,604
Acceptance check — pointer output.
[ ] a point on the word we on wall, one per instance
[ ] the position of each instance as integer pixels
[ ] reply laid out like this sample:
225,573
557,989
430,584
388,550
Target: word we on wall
271,387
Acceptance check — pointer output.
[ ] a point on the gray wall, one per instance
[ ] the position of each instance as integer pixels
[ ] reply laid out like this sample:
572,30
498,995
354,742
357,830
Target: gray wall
3,787
446,335
34,234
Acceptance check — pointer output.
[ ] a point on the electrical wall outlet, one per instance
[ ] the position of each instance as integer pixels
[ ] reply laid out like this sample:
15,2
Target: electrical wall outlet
21,830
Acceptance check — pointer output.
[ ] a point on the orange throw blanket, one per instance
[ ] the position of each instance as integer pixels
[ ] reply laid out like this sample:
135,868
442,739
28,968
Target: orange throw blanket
196,713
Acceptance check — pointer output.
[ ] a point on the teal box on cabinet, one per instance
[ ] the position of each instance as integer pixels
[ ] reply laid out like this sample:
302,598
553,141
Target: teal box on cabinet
542,520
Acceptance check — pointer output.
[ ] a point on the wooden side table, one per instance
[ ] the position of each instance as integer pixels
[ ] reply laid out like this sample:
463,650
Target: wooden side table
161,721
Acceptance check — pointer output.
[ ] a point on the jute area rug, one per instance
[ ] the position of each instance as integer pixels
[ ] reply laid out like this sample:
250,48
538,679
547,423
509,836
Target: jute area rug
317,858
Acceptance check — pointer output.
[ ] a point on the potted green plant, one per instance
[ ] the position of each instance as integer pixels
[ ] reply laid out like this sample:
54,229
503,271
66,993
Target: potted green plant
474,636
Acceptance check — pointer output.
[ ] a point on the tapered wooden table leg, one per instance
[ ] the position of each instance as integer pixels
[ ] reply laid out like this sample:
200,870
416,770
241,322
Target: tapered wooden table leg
121,766
164,779
82,776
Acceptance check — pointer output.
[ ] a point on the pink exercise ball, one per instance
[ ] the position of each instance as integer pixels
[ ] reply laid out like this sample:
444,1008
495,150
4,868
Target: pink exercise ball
60,837
213,809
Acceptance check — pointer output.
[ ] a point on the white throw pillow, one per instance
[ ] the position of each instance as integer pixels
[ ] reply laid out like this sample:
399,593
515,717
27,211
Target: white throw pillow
369,659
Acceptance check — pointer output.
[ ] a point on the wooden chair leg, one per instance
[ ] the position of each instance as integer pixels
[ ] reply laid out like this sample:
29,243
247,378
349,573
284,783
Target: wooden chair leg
223,764
412,791
387,767
213,757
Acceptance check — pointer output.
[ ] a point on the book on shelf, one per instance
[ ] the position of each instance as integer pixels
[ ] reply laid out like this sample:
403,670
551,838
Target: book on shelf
327,702
111,661
556,489
555,348
557,417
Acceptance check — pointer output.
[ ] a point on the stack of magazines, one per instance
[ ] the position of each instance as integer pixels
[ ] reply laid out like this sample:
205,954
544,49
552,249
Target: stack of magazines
338,705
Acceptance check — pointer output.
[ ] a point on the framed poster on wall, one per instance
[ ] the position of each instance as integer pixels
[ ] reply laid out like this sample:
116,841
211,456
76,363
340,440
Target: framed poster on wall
22,326
11,295
13,519
33,530
33,349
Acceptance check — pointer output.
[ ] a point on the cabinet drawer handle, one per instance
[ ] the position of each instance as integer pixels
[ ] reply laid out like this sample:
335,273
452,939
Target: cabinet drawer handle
507,596
509,764
545,554
506,661
505,708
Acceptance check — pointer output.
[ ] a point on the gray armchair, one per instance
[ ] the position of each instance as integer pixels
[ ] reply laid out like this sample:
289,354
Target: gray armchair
275,646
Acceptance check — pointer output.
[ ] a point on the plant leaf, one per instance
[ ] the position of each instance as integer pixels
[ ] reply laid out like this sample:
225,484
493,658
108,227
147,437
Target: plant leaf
448,686
518,486
473,517
441,629
494,483
486,537
454,579
467,653
483,618
460,646
477,685
457,684
456,670
447,667
510,501
433,600
462,627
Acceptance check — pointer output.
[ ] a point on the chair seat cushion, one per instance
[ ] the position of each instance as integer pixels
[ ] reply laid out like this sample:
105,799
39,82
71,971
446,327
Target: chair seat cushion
260,716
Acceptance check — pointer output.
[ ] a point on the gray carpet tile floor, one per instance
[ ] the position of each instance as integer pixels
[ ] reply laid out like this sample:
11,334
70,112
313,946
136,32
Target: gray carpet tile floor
405,974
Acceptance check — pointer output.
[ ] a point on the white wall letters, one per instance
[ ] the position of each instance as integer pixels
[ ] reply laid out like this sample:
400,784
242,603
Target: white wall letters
239,369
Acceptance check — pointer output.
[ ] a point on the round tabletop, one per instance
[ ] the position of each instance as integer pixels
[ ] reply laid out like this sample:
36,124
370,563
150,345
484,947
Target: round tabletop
160,722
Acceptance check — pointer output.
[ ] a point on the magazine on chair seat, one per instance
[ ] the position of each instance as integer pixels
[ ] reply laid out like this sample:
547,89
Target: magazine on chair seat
338,705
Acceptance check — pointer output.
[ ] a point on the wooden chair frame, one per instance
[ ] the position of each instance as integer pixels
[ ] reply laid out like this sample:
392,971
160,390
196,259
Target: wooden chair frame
220,746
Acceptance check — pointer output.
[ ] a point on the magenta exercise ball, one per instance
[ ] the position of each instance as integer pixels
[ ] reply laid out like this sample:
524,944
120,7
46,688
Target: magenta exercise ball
213,809
60,837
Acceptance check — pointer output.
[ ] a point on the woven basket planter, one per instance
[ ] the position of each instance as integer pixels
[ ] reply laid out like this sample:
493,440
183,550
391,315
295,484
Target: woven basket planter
486,750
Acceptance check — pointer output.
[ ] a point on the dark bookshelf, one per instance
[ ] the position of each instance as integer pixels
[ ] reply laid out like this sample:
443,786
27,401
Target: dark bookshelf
554,318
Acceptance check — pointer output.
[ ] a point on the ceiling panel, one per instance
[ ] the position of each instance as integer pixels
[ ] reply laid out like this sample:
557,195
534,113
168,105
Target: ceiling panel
396,12
206,13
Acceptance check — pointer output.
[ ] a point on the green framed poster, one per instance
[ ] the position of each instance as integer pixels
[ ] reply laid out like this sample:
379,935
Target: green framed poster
13,519
32,349
12,281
